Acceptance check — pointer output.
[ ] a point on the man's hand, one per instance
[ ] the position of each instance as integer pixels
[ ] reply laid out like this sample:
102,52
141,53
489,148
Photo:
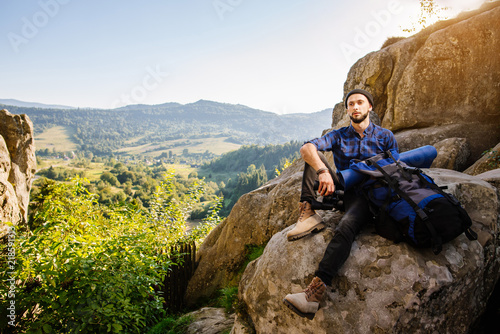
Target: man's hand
326,185
310,155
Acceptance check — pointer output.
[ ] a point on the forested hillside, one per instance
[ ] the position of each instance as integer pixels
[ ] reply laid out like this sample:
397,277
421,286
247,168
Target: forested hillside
271,156
104,131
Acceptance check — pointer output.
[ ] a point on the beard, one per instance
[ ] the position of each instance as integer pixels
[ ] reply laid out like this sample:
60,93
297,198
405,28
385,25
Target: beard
359,119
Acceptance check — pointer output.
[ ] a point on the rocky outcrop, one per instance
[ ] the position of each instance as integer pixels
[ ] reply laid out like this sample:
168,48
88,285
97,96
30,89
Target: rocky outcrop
452,153
490,160
492,177
383,287
17,167
444,79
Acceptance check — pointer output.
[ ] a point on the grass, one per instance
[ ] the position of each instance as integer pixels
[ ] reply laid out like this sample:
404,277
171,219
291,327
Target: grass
58,137
213,145
172,325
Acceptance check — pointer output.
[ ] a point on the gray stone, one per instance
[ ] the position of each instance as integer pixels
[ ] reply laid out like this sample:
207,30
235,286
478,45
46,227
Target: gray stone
210,320
452,153
383,287
17,167
490,160
442,77
492,177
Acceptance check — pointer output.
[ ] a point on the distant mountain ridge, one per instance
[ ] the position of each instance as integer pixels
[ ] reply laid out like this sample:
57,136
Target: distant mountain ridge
17,103
103,131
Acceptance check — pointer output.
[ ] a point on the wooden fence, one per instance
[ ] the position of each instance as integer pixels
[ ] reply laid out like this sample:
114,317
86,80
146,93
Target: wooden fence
175,283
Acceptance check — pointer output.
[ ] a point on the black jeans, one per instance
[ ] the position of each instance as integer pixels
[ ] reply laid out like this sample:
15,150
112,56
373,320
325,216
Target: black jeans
357,215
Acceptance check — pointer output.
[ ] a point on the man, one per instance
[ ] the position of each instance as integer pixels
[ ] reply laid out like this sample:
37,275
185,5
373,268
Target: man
361,140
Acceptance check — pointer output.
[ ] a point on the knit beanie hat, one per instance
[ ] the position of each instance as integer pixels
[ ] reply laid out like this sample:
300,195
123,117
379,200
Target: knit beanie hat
359,91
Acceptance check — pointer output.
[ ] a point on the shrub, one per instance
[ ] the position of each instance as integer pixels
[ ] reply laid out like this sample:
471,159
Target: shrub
87,268
172,325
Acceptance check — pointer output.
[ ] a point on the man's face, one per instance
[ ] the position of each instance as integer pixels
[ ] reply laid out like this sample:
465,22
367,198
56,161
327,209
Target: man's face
358,108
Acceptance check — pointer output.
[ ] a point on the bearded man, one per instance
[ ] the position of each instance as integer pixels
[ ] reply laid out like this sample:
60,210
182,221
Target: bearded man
361,140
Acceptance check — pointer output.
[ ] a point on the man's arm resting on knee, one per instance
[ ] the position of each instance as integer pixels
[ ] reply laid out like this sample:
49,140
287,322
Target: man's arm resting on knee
309,153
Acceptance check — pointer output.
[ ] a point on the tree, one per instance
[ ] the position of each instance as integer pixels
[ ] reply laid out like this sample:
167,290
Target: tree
110,178
429,13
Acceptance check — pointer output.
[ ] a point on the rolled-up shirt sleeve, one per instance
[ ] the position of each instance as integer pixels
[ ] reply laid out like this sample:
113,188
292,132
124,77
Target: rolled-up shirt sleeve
325,143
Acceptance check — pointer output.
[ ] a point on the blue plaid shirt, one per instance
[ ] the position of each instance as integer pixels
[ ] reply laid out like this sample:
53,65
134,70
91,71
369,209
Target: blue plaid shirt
347,144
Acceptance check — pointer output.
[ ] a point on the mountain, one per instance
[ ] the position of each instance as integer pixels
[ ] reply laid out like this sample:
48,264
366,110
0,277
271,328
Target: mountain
17,103
103,131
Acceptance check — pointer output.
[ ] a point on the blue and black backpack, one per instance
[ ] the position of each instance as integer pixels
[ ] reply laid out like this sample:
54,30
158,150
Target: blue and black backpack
409,206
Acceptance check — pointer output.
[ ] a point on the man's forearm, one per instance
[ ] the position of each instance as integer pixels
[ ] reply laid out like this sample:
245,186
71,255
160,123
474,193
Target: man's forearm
310,155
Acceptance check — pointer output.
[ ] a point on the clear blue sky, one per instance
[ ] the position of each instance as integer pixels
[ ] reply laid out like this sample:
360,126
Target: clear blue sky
282,56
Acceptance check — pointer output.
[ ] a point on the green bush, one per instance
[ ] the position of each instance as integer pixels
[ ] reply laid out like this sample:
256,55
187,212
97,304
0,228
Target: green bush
87,268
228,298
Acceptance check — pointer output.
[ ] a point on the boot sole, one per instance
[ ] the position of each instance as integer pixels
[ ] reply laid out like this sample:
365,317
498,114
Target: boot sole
315,229
292,307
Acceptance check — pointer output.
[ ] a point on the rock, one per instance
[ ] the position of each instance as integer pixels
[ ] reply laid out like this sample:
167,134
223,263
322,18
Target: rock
383,287
17,167
452,153
9,209
241,327
210,320
492,177
438,79
449,67
373,71
476,140
490,160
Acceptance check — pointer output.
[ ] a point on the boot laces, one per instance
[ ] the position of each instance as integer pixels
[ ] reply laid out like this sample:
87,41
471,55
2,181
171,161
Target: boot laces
315,289
305,210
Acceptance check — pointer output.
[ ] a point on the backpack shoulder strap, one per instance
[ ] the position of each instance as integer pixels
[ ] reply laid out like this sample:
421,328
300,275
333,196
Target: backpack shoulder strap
437,243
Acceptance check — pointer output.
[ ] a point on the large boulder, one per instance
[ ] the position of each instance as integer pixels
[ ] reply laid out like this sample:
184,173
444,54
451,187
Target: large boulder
444,78
17,167
492,177
490,160
452,153
383,287
210,320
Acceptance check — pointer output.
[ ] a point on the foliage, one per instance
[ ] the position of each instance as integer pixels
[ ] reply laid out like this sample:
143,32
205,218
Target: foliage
253,252
172,325
493,158
228,298
246,182
430,12
128,181
60,174
89,268
270,156
102,132
209,222
284,164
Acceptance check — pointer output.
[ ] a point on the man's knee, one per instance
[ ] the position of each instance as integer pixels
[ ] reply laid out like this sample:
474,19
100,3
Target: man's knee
352,223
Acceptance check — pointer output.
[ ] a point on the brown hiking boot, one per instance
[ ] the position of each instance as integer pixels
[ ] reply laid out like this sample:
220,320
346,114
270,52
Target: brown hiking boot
309,222
306,303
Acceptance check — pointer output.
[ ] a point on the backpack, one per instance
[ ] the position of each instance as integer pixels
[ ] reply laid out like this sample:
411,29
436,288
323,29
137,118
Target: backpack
408,205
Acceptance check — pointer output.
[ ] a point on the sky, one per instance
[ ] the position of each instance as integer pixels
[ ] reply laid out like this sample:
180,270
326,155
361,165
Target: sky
283,56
